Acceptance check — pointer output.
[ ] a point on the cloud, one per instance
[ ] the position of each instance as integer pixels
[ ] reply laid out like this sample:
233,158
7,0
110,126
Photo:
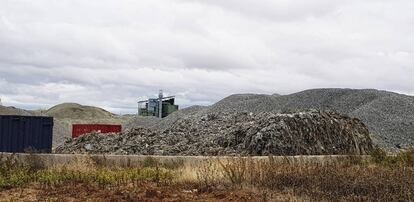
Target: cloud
111,53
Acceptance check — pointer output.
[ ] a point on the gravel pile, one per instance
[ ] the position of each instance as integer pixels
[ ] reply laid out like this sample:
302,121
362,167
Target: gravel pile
389,116
304,133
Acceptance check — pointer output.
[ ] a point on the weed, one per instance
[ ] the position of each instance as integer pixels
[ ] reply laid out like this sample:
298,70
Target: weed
207,173
234,169
104,177
332,181
12,174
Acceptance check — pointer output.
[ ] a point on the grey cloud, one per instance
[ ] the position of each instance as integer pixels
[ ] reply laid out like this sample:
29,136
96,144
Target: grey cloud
110,53
283,10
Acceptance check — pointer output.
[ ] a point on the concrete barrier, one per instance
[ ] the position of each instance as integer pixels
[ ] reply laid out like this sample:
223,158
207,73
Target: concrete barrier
49,160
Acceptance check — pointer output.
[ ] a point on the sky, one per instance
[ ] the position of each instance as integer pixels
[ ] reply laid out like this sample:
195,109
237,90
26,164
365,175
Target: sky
112,53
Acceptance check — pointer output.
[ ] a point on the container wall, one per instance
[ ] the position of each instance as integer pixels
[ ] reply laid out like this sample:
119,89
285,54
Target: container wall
26,134
82,129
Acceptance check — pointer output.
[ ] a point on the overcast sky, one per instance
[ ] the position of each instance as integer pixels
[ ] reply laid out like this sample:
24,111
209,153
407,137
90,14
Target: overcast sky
110,53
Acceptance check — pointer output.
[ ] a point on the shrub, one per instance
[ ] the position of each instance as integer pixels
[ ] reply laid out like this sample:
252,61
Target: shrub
207,173
19,177
234,169
378,155
12,174
104,177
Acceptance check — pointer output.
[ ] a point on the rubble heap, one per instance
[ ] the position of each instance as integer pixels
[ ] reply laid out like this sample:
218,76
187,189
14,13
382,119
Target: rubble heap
304,133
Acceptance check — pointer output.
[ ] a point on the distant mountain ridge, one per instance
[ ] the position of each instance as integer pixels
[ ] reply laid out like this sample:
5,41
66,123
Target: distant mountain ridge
14,111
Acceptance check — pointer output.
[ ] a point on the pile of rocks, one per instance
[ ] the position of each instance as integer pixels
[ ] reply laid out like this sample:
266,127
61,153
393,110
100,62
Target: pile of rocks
304,133
389,116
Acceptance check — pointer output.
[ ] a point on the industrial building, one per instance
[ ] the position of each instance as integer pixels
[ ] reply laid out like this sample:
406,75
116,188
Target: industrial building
159,107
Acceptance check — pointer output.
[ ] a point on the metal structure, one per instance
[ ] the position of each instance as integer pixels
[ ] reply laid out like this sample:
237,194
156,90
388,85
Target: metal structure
160,95
159,107
26,134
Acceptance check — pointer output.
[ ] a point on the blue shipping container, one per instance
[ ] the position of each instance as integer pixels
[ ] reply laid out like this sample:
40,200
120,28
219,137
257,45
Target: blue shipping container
20,134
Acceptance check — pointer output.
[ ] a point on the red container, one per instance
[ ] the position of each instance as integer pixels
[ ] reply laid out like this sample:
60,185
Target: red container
82,129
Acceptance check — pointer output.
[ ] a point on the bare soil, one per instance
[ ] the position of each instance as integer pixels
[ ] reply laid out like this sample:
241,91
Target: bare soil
146,192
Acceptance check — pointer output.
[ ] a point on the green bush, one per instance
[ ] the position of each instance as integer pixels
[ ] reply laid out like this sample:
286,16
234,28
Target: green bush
19,177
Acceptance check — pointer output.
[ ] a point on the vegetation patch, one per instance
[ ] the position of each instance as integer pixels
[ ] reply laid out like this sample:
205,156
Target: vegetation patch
380,177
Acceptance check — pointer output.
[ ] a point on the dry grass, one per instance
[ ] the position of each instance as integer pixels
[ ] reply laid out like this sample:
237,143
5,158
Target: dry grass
353,178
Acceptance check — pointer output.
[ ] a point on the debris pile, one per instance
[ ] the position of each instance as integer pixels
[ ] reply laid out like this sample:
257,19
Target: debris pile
304,133
389,116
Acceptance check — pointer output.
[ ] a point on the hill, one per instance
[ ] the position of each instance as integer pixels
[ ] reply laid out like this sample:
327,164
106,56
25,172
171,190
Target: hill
77,111
14,111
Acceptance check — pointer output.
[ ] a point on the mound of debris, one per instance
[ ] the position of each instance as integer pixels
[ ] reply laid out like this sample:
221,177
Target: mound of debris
389,116
304,133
